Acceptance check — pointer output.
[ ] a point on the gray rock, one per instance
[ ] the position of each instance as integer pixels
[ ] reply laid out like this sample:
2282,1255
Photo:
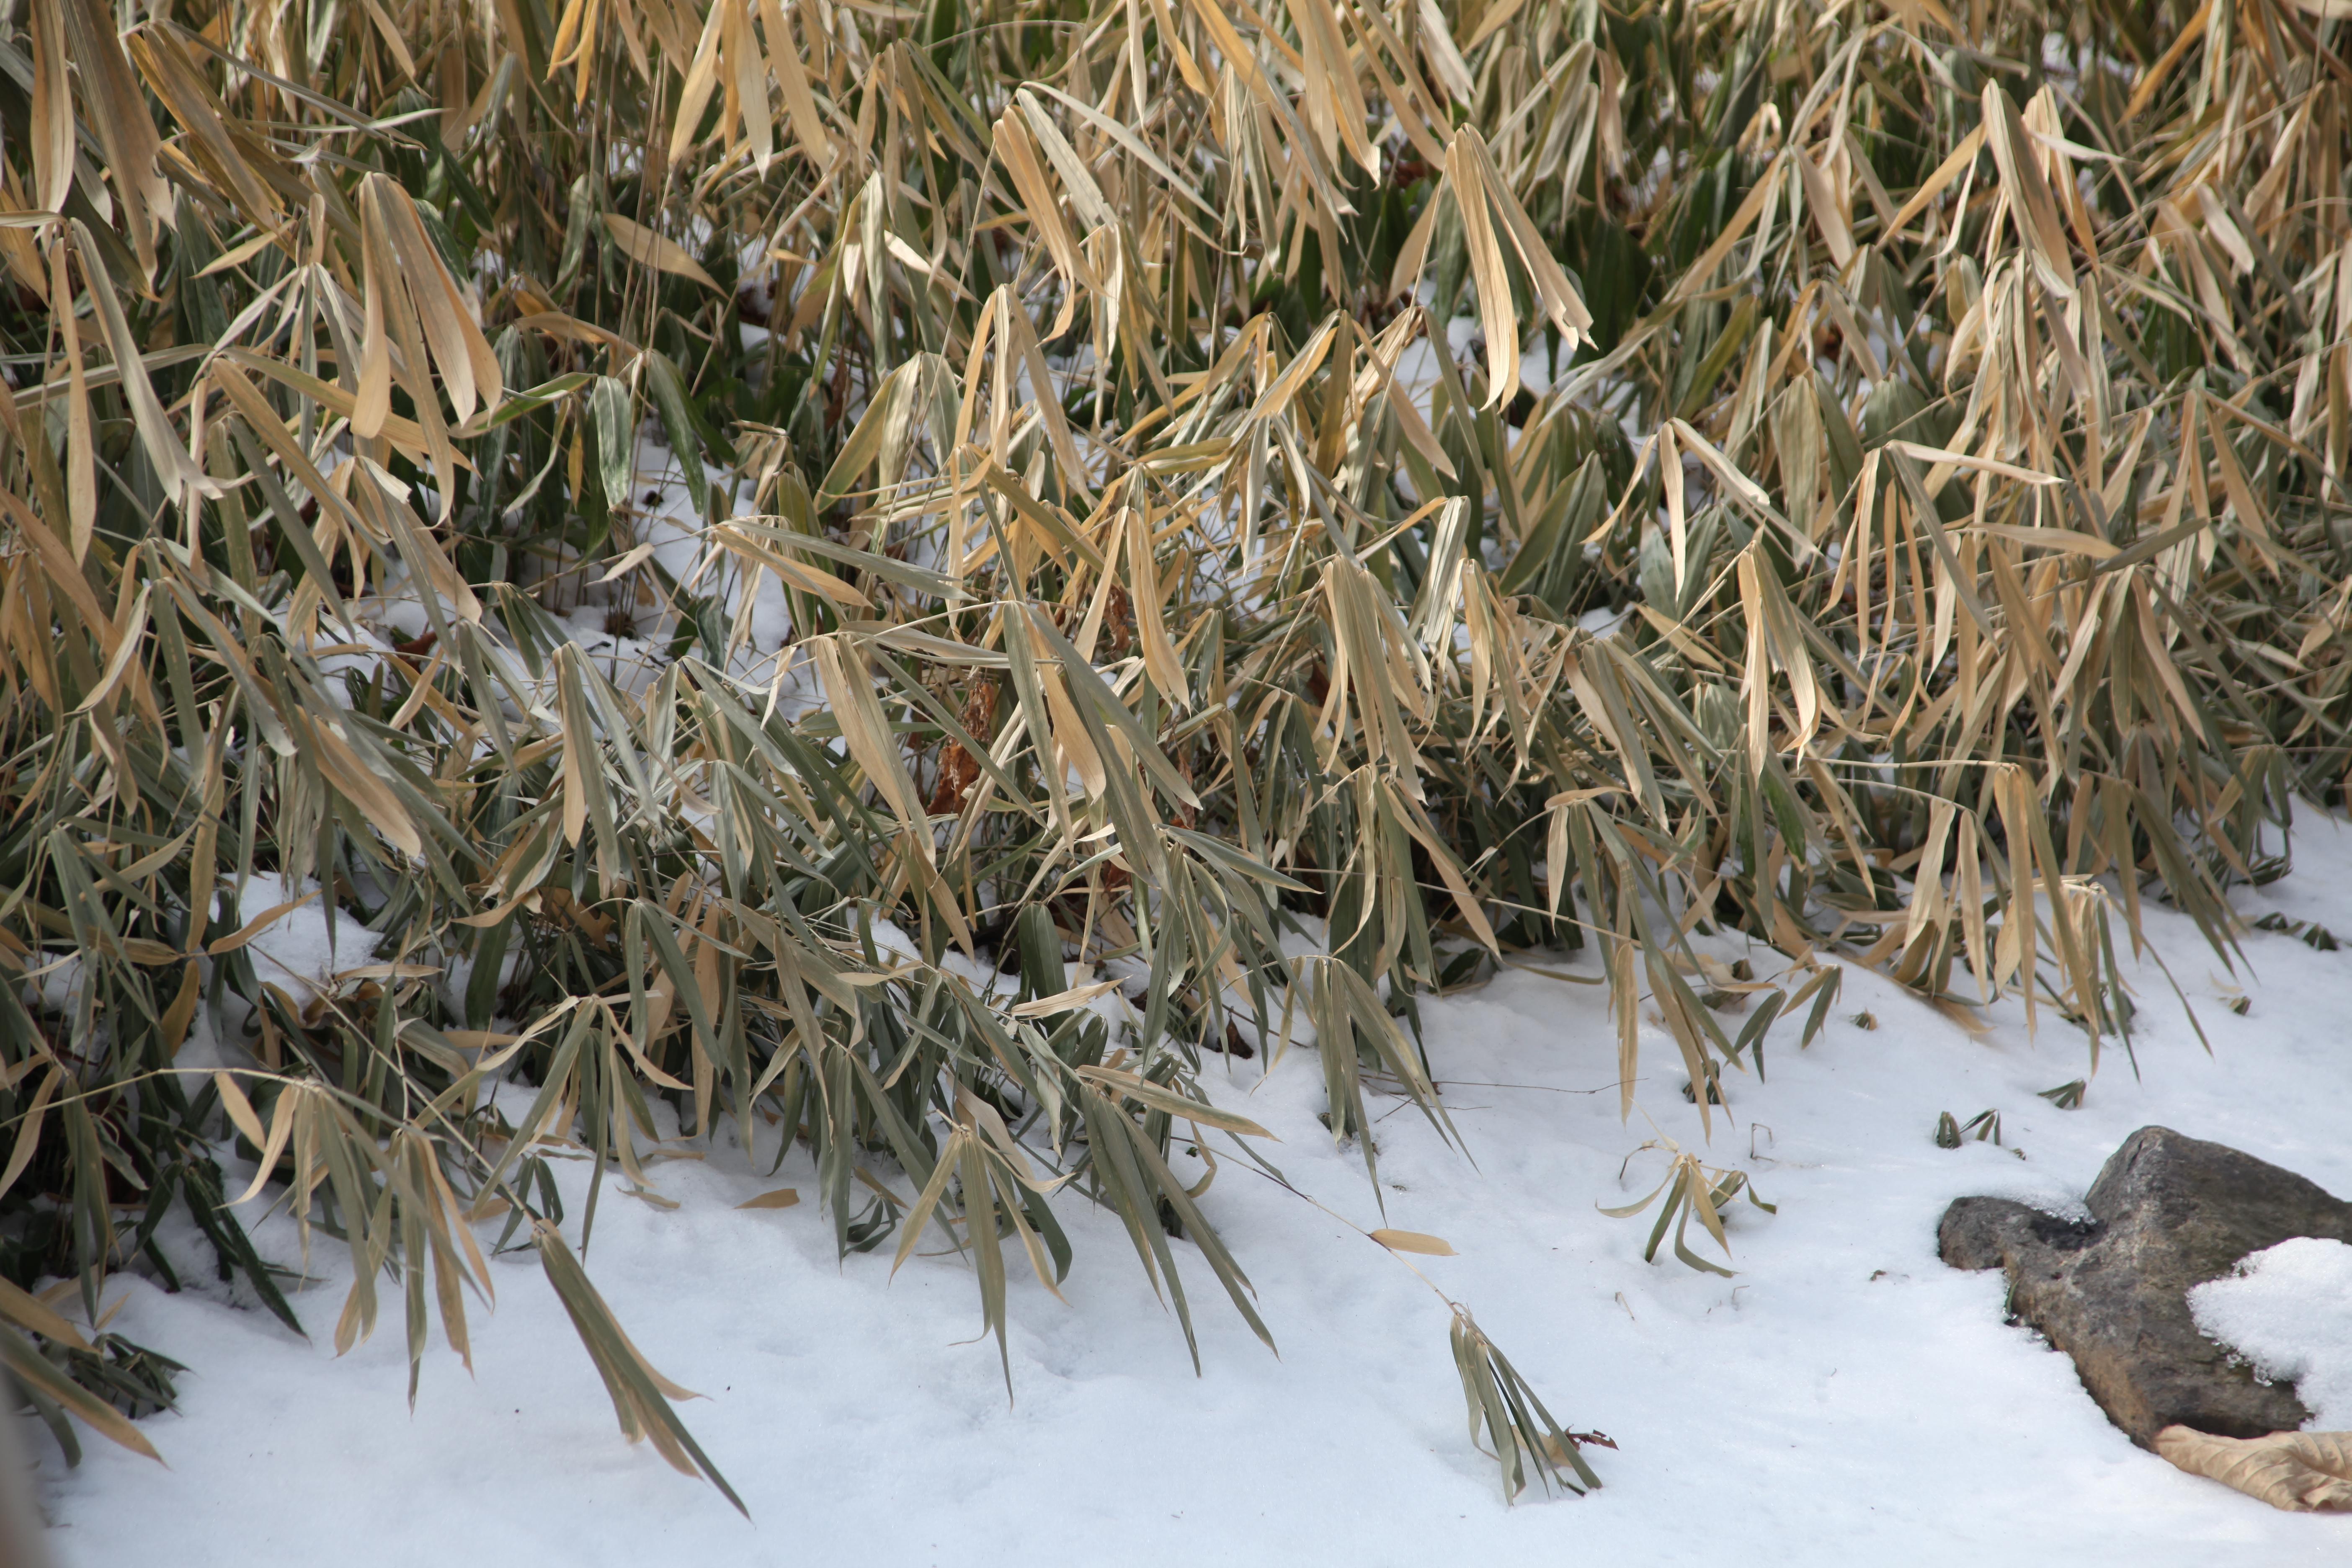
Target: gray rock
2167,1212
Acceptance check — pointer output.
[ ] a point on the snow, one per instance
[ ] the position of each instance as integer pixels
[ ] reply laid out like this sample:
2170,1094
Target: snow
1603,623
1417,368
2288,1311
1845,1397
301,951
621,620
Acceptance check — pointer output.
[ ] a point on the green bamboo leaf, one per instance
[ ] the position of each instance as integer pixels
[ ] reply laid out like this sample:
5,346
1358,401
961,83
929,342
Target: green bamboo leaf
616,438
670,397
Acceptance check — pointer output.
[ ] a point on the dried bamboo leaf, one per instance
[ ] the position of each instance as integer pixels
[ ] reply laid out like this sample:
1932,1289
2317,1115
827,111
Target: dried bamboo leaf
2298,1471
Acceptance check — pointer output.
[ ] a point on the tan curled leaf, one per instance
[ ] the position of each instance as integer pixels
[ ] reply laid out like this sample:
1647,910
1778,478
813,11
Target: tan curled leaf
2298,1471
1414,1241
1158,1099
240,1110
657,251
1068,1001
27,1310
28,1128
866,729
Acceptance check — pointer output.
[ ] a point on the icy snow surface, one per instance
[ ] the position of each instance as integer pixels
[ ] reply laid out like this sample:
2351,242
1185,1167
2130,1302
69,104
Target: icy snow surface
1845,1398
2289,1311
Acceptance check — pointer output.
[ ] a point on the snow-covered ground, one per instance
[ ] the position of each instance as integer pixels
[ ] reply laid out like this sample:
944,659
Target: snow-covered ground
1845,1398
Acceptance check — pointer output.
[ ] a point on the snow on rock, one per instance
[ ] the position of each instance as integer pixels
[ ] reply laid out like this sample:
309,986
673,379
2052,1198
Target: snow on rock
1844,1398
2288,1311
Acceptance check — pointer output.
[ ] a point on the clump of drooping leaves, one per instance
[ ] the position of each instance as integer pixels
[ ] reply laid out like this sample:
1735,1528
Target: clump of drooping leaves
1477,476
